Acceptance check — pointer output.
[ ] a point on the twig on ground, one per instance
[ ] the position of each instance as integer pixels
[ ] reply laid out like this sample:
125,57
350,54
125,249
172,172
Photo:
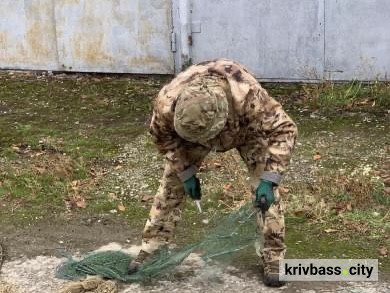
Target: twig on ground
1,256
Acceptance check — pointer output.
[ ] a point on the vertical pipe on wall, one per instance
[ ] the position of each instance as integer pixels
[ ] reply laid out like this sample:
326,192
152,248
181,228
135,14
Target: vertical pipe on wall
185,31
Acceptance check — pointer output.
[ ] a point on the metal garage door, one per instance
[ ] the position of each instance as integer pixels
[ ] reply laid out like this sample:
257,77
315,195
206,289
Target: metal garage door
276,39
288,40
87,35
357,39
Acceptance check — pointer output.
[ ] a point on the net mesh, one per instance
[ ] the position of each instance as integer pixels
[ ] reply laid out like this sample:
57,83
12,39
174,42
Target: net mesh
234,233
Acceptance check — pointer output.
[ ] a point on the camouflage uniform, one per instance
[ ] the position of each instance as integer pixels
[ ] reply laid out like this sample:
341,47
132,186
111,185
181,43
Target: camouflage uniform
256,126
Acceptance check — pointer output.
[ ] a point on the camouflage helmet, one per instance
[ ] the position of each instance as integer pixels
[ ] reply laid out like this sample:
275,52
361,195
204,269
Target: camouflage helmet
201,109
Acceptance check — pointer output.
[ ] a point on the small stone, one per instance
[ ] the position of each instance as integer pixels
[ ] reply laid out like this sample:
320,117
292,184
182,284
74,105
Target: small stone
107,287
75,287
383,251
91,283
7,288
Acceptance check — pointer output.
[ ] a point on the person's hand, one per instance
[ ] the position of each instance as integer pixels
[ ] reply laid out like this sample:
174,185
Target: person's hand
264,195
192,188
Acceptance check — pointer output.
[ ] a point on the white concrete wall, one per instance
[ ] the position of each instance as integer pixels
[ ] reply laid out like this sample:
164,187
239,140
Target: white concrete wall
277,39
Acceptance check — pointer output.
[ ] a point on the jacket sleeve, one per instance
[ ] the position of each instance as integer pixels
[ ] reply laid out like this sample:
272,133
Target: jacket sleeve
281,132
167,140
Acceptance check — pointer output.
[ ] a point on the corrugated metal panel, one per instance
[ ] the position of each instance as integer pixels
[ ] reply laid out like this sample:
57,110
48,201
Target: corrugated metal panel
357,39
87,35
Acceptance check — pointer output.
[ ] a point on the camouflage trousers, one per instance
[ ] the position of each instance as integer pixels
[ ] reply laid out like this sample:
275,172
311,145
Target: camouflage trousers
169,200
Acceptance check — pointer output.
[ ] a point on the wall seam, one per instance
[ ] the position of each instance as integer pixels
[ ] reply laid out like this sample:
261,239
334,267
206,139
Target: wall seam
324,32
173,32
53,19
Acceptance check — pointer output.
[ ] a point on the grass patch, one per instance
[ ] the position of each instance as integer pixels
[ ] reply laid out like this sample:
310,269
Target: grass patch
69,140
93,112
349,96
349,203
332,95
56,131
328,97
310,241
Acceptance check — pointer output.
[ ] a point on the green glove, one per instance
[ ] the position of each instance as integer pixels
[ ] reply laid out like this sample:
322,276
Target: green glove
192,188
264,195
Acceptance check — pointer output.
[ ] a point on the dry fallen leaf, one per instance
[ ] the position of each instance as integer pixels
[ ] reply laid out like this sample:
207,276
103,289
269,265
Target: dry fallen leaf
75,183
121,207
317,156
40,170
383,251
112,196
364,102
147,198
283,189
34,155
330,230
16,148
81,203
342,207
75,201
203,167
217,165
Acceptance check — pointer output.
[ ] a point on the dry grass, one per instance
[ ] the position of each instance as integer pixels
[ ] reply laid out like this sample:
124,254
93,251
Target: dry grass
349,96
355,201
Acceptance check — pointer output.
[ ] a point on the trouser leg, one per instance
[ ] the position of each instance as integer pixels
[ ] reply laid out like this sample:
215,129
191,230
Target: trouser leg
165,212
167,207
272,229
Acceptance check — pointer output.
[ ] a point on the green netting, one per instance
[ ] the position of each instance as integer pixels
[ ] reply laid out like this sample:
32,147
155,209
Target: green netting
234,233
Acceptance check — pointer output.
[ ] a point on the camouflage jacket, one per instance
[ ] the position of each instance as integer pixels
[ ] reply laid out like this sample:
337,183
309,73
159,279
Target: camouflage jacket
254,118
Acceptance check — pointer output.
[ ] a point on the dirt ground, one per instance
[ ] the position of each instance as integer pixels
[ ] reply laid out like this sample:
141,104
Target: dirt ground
74,186
193,275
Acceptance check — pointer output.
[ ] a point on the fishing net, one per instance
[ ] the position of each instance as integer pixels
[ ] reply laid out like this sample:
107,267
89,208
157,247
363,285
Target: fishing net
234,233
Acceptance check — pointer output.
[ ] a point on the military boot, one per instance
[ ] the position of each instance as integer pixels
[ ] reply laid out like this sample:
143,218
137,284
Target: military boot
271,274
135,263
